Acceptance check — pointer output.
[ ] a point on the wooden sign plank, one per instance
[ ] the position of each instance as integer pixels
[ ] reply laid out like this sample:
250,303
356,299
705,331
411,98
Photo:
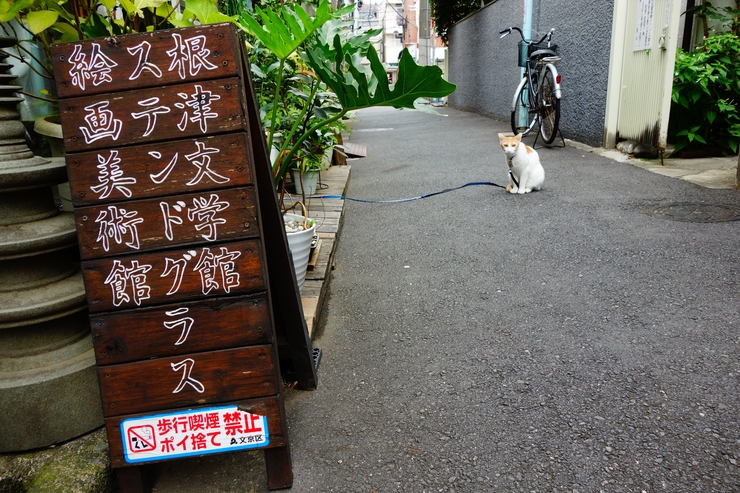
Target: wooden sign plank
187,380
136,281
204,325
166,222
270,407
180,166
144,60
147,115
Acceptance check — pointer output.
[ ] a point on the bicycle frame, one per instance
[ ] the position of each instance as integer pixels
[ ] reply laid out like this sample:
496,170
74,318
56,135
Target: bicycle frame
532,90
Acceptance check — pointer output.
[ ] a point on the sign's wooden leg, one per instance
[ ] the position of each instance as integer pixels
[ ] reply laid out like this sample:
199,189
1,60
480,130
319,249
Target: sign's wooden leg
279,468
133,480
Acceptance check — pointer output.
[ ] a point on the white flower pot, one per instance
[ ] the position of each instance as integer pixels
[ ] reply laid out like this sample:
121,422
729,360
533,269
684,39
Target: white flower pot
305,181
300,248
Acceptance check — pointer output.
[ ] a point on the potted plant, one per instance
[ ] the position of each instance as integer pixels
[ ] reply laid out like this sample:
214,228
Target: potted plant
300,232
314,156
335,58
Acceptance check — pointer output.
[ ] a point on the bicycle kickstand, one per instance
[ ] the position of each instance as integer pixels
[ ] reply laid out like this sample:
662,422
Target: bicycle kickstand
562,140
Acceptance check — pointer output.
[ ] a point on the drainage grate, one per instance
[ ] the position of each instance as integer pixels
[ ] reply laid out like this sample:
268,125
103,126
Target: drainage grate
695,213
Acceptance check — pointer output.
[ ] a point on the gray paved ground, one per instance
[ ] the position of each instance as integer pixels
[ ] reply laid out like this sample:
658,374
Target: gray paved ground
482,342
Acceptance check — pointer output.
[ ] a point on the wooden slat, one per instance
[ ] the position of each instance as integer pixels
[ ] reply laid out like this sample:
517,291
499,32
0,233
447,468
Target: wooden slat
111,64
151,224
187,380
148,279
152,170
355,150
204,325
146,115
269,406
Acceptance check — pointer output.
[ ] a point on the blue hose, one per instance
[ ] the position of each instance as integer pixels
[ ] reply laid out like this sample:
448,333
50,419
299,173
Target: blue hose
409,199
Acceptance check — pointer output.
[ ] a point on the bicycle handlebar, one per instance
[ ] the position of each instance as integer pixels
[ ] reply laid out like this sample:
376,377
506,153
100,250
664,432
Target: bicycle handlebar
507,31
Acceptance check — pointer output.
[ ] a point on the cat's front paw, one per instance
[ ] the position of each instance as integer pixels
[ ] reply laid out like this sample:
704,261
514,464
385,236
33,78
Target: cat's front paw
524,190
514,190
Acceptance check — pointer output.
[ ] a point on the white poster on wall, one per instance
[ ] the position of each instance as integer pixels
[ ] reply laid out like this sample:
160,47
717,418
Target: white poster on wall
644,25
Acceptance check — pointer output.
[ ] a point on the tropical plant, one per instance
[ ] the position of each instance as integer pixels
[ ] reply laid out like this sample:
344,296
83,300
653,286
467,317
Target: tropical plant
335,60
706,96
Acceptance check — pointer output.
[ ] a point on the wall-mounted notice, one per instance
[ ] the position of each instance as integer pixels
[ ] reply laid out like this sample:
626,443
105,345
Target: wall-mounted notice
644,25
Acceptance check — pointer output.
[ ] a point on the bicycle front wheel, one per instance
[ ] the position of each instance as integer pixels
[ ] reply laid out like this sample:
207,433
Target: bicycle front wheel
522,117
549,107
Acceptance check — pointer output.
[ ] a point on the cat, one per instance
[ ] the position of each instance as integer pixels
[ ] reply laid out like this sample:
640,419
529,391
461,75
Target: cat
525,169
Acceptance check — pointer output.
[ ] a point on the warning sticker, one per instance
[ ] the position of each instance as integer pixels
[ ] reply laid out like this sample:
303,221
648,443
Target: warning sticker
193,432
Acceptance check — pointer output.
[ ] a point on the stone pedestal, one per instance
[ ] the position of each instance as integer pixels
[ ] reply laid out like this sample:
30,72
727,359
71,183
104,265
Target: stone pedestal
48,383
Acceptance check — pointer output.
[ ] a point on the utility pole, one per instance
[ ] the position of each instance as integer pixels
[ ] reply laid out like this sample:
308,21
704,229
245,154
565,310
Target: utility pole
424,28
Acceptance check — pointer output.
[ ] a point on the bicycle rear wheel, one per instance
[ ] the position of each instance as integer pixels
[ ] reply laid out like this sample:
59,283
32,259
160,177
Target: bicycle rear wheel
548,107
522,117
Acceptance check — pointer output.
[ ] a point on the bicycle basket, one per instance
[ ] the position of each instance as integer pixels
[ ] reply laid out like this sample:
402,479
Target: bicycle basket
543,46
523,53
526,50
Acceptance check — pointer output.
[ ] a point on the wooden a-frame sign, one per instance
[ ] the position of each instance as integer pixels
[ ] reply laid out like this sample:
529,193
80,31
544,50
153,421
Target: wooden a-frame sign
194,305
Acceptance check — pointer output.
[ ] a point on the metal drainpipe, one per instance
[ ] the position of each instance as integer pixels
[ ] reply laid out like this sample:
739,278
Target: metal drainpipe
527,23
527,32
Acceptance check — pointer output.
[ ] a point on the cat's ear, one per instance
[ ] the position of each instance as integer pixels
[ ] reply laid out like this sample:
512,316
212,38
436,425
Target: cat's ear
518,137
501,137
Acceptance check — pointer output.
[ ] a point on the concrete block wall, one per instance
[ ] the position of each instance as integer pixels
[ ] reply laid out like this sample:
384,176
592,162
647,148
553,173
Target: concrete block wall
485,70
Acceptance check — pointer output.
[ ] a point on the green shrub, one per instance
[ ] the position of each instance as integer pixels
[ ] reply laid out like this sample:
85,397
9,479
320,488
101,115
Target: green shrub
706,96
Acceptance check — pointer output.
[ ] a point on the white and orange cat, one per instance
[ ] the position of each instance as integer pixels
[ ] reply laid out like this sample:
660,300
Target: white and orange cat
525,169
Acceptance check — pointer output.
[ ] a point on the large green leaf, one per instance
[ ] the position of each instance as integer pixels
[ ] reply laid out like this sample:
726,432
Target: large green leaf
8,10
41,20
354,88
350,40
284,30
206,11
67,32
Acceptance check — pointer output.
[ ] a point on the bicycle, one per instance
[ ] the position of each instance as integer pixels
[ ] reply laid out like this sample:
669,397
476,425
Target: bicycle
537,98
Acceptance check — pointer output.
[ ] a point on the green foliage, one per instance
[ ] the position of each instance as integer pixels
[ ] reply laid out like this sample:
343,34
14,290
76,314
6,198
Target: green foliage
352,87
294,102
706,96
445,13
728,17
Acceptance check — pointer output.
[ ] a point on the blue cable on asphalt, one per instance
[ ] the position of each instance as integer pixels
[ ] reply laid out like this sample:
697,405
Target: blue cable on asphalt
395,201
